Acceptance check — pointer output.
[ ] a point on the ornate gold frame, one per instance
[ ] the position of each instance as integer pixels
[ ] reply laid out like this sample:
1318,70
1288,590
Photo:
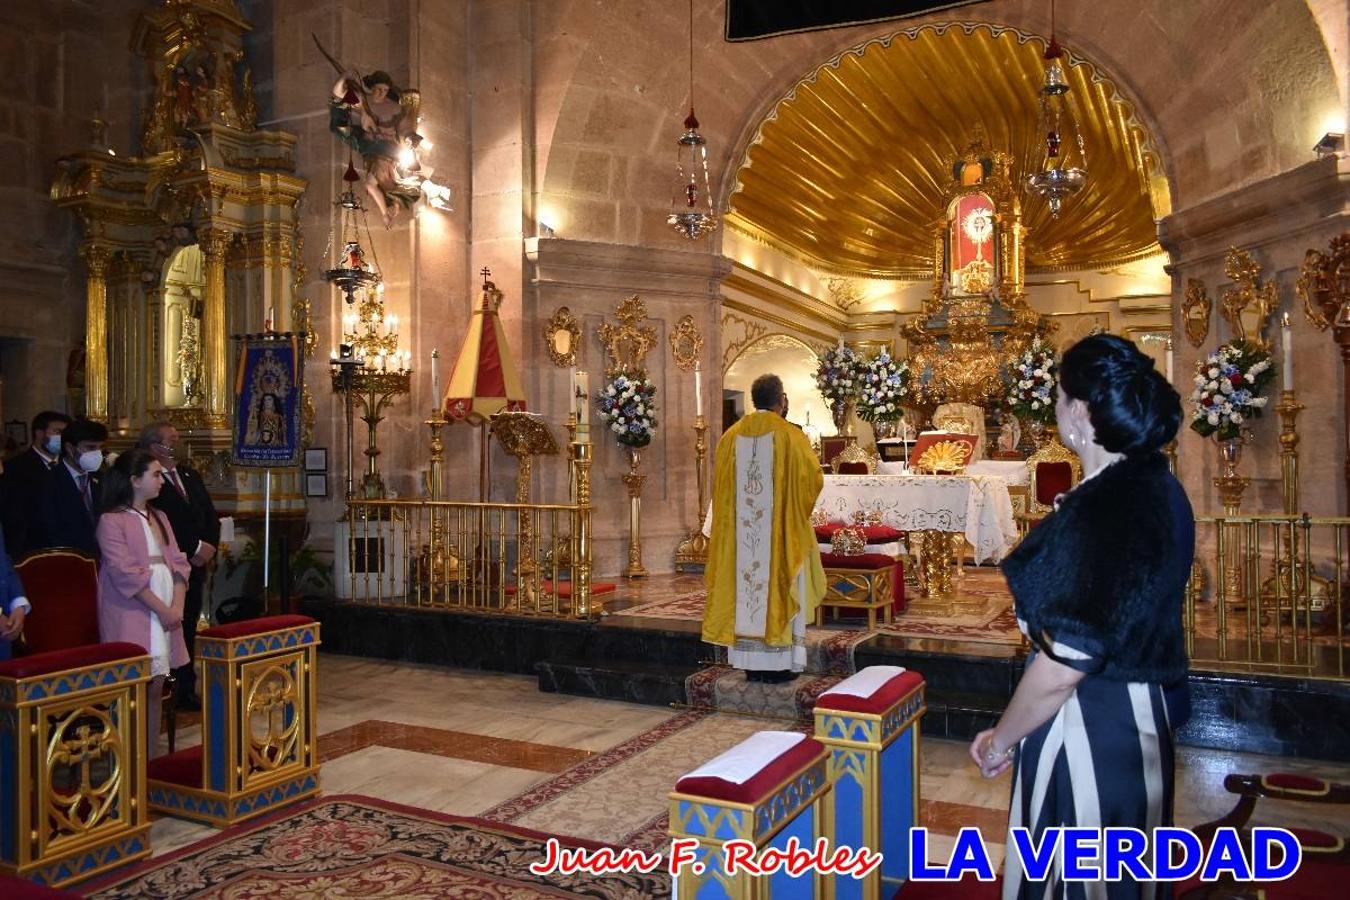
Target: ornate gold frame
1196,308
628,343
686,344
562,322
1324,282
1250,300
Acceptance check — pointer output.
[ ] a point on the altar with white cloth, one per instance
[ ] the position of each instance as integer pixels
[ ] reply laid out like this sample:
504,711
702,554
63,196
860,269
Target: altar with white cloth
944,510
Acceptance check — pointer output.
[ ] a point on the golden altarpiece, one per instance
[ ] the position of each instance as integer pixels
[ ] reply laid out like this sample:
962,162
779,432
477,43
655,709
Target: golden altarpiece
978,291
190,242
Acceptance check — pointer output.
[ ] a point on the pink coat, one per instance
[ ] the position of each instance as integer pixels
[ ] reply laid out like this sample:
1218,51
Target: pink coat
125,571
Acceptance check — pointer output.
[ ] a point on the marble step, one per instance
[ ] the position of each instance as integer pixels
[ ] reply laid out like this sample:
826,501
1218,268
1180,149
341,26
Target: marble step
652,683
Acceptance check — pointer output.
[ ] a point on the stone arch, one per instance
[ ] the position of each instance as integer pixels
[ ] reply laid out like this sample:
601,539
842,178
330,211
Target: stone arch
1231,93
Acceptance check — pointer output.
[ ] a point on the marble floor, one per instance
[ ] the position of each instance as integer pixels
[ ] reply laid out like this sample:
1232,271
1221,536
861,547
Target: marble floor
492,745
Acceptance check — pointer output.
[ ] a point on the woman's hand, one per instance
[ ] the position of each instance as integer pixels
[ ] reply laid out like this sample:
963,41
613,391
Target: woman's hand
172,617
992,759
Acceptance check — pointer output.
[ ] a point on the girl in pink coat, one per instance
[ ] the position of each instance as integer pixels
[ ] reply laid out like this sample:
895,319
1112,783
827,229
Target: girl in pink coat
142,581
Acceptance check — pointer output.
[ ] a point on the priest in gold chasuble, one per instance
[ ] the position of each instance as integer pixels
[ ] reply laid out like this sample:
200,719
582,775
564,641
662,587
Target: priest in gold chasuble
763,575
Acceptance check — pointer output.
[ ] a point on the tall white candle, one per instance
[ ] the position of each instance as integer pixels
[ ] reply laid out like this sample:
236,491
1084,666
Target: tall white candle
271,323
582,399
1169,360
698,390
1287,351
436,376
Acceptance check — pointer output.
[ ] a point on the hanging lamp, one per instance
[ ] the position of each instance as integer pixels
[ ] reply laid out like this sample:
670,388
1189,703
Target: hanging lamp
1061,175
691,210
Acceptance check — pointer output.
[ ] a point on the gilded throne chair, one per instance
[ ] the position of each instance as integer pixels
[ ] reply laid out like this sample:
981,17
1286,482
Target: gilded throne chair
1052,470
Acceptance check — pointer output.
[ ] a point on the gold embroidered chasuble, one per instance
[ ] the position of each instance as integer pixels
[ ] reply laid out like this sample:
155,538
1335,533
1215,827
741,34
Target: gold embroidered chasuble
775,563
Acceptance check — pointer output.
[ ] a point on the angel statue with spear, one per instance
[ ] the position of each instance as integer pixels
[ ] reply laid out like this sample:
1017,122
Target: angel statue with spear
378,120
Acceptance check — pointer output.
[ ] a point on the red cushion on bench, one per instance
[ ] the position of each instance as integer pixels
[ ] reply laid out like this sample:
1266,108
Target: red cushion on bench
760,785
869,562
874,534
1288,781
254,626
565,588
883,699
75,658
183,767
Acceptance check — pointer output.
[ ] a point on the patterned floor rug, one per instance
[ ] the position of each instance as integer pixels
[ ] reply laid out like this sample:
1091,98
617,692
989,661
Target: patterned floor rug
993,623
351,846
619,796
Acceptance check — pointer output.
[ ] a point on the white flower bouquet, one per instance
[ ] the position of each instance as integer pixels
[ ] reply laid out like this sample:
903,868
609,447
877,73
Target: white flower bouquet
1228,386
885,383
628,408
1034,376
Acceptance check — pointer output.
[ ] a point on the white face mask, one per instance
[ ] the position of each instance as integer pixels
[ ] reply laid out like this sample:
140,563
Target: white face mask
91,460
53,444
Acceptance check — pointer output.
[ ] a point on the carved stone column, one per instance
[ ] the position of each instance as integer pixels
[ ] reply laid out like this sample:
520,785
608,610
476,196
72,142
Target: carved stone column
213,242
96,332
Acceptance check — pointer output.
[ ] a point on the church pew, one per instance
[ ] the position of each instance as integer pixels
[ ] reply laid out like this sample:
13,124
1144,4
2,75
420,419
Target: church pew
870,723
258,750
72,762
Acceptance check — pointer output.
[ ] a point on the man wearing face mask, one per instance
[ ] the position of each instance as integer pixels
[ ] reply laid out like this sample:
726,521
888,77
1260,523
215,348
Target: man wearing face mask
70,501
196,528
24,476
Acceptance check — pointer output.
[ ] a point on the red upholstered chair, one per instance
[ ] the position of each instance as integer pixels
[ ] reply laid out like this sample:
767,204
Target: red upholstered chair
1052,470
62,585
1326,857
830,447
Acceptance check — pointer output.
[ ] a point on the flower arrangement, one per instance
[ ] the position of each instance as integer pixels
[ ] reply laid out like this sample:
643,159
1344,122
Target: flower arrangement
1228,386
885,382
628,408
839,375
1032,395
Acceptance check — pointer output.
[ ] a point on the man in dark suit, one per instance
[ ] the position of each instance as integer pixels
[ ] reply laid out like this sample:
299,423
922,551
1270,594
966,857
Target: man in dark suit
69,500
25,475
196,527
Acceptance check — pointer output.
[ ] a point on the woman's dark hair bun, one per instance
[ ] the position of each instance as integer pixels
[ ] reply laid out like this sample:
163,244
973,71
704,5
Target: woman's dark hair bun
1133,409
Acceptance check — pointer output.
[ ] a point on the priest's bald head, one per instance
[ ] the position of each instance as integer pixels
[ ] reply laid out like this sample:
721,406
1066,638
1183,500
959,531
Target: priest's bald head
767,394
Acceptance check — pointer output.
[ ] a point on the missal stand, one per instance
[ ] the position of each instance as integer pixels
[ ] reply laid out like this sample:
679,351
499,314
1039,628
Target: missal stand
525,435
259,715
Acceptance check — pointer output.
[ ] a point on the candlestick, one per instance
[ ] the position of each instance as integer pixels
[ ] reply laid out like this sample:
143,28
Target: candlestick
698,390
1287,351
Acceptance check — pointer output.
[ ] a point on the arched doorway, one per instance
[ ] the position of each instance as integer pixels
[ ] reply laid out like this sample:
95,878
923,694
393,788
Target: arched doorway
791,359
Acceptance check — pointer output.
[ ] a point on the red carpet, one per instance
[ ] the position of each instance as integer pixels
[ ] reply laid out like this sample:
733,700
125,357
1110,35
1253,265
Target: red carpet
351,846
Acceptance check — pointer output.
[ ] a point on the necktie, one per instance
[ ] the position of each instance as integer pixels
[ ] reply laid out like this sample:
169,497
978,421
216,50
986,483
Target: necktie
86,494
173,477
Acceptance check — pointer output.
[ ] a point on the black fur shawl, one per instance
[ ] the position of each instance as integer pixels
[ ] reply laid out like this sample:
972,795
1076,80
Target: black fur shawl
1106,573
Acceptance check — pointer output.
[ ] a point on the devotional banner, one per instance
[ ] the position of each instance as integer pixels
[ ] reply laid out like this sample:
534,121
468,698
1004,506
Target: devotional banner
268,378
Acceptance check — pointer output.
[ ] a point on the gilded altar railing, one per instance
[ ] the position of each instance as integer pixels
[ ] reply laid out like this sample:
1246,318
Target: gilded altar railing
499,558
1267,596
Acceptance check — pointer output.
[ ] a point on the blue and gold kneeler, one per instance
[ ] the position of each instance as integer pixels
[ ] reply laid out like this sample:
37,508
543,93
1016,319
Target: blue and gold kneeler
72,762
783,800
870,723
259,725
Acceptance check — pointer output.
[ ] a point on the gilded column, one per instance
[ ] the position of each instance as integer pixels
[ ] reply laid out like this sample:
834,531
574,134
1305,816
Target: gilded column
213,243
96,332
